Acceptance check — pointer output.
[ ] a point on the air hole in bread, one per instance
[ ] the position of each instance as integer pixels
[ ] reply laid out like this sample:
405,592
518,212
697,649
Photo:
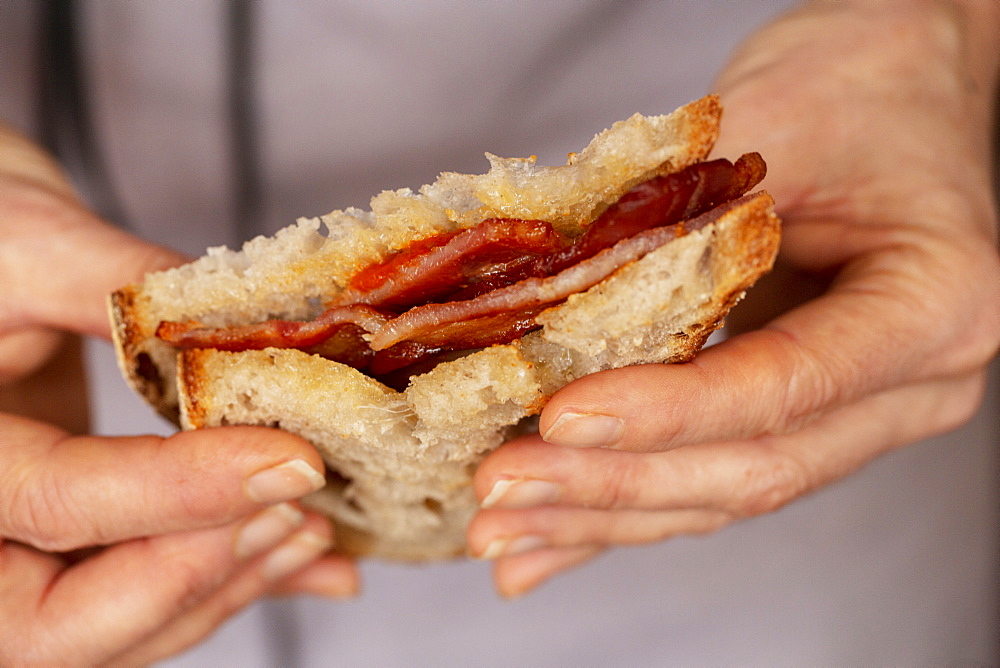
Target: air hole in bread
353,505
705,261
247,401
339,483
146,369
434,506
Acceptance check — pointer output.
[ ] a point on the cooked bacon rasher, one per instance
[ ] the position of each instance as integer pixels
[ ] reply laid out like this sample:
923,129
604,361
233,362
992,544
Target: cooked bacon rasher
484,285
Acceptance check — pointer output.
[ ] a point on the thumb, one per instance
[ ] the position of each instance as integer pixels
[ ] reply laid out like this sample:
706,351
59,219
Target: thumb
61,261
61,493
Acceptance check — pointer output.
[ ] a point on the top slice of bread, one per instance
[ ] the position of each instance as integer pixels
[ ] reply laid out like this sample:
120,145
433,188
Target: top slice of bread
292,274
400,463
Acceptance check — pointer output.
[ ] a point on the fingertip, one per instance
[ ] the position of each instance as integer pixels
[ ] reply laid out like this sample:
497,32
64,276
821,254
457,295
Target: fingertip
271,465
601,410
585,430
288,480
251,447
311,542
267,529
522,457
520,574
331,575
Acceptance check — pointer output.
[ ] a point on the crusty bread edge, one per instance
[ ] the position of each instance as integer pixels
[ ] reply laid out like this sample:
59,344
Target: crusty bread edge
142,359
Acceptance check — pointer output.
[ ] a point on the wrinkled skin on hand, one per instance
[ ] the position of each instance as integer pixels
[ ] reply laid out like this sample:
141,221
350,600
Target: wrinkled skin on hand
873,332
122,550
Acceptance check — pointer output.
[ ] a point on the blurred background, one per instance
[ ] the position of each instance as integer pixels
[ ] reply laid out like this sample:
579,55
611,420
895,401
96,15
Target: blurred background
899,564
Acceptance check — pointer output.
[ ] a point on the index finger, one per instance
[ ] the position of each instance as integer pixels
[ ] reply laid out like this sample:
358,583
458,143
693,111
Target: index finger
60,493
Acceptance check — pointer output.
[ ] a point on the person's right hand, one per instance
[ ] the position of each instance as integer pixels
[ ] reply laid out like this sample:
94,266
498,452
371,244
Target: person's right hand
122,550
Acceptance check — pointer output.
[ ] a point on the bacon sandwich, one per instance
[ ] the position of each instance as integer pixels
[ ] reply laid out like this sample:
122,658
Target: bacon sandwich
409,340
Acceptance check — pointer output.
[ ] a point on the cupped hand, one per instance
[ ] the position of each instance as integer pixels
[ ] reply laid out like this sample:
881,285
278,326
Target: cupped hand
873,332
122,550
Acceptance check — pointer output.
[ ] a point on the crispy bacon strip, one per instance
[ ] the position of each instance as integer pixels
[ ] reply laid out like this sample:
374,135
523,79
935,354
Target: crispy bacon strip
500,252
433,269
513,308
485,285
273,333
665,200
455,323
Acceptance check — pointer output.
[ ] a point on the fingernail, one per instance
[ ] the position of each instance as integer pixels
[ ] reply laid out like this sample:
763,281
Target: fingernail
506,547
266,529
284,482
522,494
585,430
304,548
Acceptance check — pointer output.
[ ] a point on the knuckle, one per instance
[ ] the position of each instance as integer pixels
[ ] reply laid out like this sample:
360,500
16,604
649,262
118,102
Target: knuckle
979,340
187,486
191,581
41,515
768,483
617,488
669,429
959,328
803,384
195,504
960,404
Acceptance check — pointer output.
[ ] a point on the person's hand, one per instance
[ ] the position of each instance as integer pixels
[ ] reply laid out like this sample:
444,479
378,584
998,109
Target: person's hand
875,123
122,549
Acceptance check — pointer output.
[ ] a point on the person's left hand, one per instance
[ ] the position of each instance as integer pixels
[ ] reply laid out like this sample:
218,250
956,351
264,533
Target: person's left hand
128,549
887,208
